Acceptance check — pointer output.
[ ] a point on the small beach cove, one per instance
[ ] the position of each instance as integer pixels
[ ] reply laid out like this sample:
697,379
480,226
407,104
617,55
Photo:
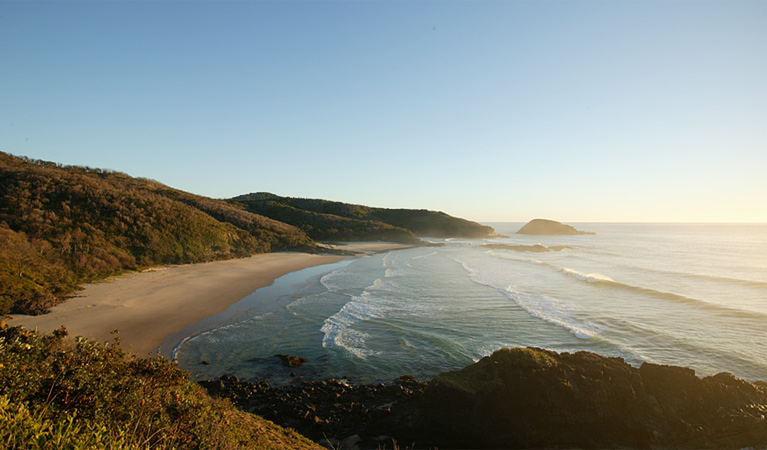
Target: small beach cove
149,307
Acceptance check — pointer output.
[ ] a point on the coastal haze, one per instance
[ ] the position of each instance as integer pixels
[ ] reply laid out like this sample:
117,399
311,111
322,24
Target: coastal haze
586,111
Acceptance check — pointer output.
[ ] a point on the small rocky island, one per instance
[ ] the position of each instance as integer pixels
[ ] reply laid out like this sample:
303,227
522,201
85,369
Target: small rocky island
549,227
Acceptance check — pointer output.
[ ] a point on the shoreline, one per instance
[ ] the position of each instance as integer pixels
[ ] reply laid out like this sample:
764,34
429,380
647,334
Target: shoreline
263,300
173,342
150,307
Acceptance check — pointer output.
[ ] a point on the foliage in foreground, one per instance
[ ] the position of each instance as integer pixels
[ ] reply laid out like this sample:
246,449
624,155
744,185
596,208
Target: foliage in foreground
60,394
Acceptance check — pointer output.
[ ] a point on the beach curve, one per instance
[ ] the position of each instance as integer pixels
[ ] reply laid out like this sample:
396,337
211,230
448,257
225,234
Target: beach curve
150,306
147,307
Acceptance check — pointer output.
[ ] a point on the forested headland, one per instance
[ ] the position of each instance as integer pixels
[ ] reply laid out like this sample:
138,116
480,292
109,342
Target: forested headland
62,226
328,220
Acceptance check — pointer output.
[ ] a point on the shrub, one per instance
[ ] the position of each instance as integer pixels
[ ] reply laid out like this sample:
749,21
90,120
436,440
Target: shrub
77,394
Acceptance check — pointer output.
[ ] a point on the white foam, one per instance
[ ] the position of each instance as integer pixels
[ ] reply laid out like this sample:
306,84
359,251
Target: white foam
338,333
409,264
472,273
353,341
331,280
406,345
387,259
423,256
393,273
546,308
590,277
338,330
552,311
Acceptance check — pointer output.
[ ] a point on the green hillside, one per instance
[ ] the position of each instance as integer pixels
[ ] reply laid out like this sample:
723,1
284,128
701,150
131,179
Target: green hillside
63,226
327,226
323,219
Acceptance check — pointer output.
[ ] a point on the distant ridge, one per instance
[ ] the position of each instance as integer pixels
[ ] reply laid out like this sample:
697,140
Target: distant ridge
329,220
549,227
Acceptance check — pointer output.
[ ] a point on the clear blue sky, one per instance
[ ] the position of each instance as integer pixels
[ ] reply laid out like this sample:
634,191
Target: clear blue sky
489,110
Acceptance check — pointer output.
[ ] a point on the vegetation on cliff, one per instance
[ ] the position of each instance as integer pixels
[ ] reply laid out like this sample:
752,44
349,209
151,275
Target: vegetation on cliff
61,226
56,393
329,227
323,219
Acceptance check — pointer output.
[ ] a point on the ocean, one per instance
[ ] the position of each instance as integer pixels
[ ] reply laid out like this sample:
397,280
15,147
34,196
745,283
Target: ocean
692,295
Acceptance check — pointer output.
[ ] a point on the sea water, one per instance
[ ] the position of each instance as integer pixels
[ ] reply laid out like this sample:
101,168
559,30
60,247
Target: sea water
692,295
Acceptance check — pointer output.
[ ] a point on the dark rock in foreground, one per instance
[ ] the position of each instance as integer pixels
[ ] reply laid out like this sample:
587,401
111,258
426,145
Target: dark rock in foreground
523,398
334,413
549,227
520,398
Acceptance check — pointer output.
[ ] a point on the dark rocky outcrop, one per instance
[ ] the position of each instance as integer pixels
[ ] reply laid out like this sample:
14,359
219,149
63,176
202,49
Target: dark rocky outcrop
524,398
538,248
332,412
549,227
520,398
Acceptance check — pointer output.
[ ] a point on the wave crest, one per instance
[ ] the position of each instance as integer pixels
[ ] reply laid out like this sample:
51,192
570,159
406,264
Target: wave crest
554,311
590,277
663,295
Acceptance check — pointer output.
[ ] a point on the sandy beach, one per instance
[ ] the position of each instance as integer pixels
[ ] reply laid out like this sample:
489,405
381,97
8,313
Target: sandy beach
148,307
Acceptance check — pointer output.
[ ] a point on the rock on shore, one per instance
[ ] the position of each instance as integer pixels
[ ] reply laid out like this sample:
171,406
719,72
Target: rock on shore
549,227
